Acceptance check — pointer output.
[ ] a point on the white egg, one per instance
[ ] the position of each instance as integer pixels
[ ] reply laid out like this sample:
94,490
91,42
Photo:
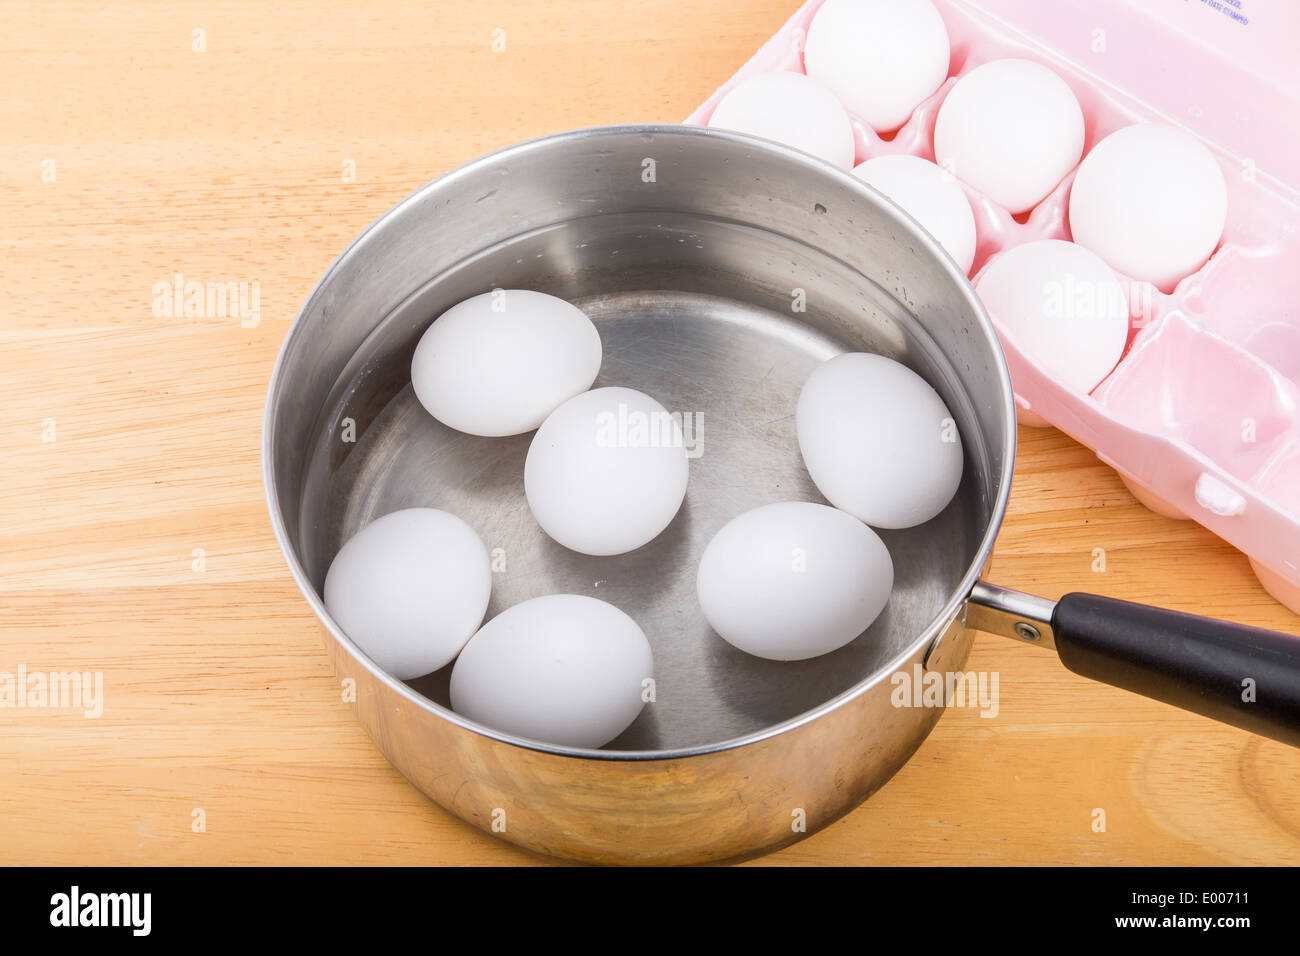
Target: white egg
880,58
1150,200
410,589
793,580
1012,129
931,196
607,471
1062,306
563,669
791,109
500,362
878,441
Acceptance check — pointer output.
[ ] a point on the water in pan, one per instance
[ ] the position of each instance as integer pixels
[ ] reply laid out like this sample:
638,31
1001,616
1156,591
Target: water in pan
735,365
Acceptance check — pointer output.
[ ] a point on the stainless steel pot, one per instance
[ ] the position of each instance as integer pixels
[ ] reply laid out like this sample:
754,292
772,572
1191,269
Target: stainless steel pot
720,271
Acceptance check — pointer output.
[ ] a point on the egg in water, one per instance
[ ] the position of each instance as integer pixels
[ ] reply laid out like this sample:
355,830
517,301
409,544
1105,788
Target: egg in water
878,441
409,589
499,363
564,669
793,580
606,472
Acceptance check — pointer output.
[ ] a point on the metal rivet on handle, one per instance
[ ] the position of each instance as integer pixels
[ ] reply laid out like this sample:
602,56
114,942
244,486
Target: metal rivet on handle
1027,632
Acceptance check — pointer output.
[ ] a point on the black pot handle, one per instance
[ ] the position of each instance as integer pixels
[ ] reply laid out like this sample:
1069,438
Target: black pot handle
1245,676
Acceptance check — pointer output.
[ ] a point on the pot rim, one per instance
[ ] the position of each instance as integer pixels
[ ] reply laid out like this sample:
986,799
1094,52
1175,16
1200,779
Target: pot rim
951,610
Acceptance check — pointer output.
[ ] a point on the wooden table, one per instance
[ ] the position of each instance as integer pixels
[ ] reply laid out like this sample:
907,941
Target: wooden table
249,142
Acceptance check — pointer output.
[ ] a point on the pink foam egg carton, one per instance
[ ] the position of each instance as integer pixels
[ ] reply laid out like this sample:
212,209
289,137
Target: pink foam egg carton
1201,417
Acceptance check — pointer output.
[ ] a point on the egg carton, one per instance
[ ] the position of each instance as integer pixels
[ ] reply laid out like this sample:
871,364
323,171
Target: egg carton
1201,416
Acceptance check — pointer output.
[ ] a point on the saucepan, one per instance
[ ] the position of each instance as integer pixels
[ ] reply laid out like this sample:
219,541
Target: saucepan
720,271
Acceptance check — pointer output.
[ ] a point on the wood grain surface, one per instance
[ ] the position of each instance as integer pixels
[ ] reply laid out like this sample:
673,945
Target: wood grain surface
136,541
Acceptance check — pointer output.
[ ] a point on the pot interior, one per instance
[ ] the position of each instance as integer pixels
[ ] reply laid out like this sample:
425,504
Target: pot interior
703,313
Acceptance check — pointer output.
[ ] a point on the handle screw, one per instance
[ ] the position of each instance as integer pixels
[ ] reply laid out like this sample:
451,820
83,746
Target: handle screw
1027,632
